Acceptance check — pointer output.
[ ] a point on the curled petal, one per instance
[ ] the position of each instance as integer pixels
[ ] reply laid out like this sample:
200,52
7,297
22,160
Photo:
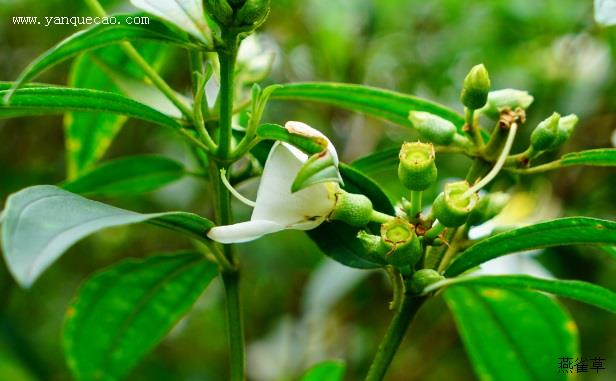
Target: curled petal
304,129
243,231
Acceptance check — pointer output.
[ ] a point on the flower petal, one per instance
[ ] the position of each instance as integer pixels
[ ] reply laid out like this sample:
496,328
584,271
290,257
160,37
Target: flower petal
188,15
243,231
276,203
304,129
605,12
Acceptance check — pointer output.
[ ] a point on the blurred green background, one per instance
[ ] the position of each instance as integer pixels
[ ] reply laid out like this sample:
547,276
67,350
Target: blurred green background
299,307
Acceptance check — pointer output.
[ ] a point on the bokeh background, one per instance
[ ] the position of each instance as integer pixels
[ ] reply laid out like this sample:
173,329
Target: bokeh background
299,306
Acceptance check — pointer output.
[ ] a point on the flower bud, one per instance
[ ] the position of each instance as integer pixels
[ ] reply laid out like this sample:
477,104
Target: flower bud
545,134
500,99
404,246
220,10
476,88
566,125
433,128
488,207
422,279
353,209
242,14
417,170
253,12
452,207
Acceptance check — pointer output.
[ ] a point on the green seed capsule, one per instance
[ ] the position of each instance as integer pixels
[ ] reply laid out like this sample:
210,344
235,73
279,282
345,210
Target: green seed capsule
422,279
488,207
500,99
452,207
404,246
433,128
476,88
353,209
417,170
545,134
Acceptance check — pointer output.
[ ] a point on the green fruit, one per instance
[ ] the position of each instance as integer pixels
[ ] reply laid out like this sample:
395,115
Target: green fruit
353,209
452,207
404,245
417,170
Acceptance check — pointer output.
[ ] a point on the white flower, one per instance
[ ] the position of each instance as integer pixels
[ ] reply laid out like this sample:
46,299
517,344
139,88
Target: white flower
605,12
188,15
276,207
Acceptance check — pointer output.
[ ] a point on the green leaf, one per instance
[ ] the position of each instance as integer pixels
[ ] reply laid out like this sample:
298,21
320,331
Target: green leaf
86,145
339,240
128,175
384,104
124,311
326,371
375,163
512,334
559,232
41,222
102,35
581,291
58,100
611,250
601,157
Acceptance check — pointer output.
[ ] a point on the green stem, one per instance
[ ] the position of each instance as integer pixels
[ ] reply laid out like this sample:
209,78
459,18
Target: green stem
538,169
381,218
227,59
469,115
231,280
133,54
156,79
415,209
453,248
393,337
434,231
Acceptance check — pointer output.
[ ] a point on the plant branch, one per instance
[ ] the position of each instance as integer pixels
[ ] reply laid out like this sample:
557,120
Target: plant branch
227,58
156,79
393,337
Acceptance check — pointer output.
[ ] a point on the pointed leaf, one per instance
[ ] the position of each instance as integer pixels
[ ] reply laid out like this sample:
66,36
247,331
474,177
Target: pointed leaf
512,334
102,35
58,100
41,222
577,290
127,175
601,157
559,232
88,135
389,105
124,311
326,371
